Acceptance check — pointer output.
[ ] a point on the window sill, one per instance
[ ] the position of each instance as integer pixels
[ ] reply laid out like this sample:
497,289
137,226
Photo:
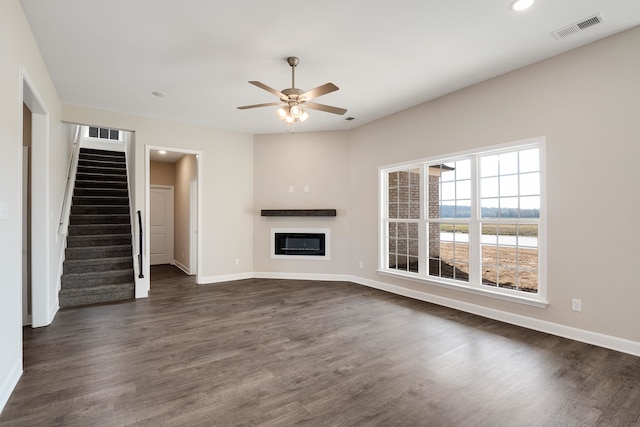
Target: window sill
503,295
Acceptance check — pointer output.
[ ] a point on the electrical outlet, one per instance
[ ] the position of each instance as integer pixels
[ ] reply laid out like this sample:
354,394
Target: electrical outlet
291,189
360,264
576,304
237,261
306,188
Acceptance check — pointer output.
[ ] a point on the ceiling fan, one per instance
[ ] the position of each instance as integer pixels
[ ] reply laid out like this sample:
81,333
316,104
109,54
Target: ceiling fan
293,99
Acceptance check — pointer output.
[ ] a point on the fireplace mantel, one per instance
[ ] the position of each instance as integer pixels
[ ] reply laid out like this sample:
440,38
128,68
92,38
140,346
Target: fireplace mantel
298,212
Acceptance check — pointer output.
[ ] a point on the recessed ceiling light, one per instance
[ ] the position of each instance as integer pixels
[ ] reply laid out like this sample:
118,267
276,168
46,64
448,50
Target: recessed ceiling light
520,5
162,152
160,94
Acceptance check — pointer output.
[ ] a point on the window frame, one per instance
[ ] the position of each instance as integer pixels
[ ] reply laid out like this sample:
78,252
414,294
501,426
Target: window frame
475,222
86,136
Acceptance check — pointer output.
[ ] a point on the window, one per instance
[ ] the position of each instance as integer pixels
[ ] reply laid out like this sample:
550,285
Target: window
471,220
103,133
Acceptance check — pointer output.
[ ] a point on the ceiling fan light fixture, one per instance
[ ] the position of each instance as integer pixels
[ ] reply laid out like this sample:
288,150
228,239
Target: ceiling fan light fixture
295,111
304,116
281,113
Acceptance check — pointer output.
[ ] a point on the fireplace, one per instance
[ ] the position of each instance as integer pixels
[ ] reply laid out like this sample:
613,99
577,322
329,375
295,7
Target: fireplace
308,243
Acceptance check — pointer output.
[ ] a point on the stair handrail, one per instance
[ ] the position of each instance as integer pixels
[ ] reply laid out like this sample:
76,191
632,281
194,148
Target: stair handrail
140,236
63,224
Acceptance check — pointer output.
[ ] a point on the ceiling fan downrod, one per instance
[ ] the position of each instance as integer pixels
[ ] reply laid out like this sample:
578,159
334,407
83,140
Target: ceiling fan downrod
293,62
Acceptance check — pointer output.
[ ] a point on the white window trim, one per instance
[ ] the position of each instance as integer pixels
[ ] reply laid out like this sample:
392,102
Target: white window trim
85,135
539,299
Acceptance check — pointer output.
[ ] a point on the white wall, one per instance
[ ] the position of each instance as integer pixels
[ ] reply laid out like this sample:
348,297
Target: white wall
21,59
587,104
227,184
319,161
185,171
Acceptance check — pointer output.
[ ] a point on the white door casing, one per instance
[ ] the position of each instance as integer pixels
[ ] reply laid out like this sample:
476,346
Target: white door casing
161,224
193,226
26,285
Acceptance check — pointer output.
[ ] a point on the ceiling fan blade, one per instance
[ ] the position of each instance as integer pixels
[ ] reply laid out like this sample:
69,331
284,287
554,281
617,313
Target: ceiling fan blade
268,104
319,91
326,108
268,89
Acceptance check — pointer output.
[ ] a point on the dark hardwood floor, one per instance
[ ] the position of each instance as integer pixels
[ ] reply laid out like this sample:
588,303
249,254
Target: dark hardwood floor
282,352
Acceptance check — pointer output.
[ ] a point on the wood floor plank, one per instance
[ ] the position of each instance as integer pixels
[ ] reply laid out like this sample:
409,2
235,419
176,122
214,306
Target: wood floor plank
287,352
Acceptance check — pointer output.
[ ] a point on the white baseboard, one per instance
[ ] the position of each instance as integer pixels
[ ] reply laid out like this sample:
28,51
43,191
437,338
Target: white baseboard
594,338
182,267
224,278
10,383
303,276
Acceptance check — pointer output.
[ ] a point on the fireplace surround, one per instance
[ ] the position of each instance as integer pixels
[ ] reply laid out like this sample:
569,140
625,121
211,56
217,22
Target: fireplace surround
300,243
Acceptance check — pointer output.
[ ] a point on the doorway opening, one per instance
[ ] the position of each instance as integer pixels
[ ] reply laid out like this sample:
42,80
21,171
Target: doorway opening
173,209
26,215
36,289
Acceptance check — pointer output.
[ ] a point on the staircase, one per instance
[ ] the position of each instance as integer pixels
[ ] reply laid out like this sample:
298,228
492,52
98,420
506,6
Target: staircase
98,264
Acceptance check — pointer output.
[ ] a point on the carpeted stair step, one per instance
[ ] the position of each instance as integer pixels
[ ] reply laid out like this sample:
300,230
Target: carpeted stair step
92,240
102,162
100,192
99,219
99,152
96,295
119,166
100,210
96,278
98,252
100,158
101,184
97,264
86,201
87,176
101,170
99,229
115,162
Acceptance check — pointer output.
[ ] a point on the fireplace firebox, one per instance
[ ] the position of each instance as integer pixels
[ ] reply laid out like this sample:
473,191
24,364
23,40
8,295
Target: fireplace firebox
301,244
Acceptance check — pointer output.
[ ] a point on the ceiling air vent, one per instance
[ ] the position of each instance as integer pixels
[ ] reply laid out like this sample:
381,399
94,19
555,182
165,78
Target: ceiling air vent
578,26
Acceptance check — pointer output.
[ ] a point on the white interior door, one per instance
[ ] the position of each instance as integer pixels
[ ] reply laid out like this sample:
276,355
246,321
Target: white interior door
161,225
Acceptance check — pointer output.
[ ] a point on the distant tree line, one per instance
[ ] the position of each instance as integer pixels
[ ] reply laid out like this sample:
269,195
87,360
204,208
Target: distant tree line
450,211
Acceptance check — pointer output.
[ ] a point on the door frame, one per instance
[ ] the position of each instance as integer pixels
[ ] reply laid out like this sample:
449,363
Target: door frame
193,226
44,299
147,185
26,232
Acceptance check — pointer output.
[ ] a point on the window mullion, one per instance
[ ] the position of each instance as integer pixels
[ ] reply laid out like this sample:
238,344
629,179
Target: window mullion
475,250
423,229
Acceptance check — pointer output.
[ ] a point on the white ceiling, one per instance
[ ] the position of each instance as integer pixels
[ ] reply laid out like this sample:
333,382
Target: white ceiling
167,157
385,56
